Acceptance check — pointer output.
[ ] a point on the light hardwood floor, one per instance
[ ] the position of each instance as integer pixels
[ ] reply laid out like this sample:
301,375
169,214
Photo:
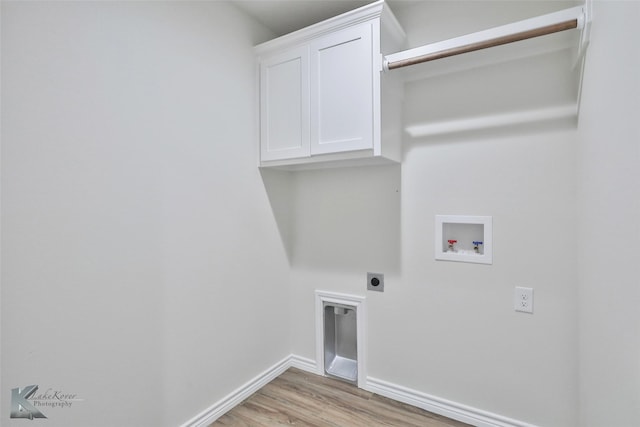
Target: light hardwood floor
303,399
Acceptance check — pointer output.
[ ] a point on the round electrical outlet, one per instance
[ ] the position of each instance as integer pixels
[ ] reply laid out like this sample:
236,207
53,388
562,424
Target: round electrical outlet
375,282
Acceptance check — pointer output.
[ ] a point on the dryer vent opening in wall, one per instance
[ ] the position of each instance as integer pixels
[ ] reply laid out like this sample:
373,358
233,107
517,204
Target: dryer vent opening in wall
341,336
340,342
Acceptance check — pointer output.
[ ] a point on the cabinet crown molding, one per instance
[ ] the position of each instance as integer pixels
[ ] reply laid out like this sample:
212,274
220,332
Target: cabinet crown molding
377,10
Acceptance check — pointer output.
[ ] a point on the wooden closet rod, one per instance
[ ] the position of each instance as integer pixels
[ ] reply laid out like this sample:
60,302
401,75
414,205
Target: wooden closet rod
536,32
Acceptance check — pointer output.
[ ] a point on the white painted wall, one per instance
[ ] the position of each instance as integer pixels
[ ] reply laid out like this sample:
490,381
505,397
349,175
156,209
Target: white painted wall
565,203
142,264
449,329
609,231
442,328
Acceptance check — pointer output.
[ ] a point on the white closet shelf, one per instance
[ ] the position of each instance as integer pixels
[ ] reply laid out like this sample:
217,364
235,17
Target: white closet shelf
577,18
540,62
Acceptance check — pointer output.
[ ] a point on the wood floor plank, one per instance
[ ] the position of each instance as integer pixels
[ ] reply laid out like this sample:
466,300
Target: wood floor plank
320,398
306,400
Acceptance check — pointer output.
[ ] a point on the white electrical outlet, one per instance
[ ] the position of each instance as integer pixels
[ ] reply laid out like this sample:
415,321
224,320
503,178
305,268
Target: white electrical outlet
523,299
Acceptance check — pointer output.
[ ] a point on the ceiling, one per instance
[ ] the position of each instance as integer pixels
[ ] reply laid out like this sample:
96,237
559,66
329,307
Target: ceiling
285,16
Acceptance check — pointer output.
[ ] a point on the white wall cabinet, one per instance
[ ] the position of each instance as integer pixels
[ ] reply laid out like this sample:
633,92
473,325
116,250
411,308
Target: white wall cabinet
284,106
341,81
321,91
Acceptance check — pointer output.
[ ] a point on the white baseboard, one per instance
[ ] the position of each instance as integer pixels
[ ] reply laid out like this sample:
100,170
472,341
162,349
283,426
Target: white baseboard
218,409
447,408
305,364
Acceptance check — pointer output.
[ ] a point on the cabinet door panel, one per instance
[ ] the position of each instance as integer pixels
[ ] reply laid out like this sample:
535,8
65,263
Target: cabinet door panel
284,105
342,91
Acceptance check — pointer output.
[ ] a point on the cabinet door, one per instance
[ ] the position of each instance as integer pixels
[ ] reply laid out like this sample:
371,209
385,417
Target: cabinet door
284,105
342,91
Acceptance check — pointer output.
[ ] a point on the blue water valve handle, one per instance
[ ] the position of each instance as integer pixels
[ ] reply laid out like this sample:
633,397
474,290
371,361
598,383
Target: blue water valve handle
476,243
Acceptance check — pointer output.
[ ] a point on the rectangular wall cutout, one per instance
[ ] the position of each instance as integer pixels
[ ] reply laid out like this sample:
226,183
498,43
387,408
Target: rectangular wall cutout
351,358
464,238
